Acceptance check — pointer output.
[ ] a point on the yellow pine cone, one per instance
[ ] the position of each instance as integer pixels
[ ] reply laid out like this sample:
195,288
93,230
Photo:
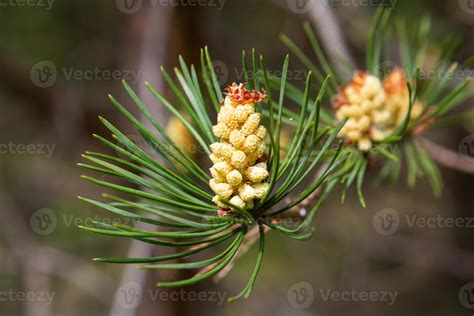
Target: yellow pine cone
180,134
374,108
239,168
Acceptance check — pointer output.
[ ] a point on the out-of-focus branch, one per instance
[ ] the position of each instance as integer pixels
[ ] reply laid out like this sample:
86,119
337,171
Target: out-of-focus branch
249,240
297,213
442,257
17,78
447,157
321,15
36,282
32,256
151,27
331,36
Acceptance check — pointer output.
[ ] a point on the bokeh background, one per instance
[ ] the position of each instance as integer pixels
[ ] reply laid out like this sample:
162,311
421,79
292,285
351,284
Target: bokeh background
46,122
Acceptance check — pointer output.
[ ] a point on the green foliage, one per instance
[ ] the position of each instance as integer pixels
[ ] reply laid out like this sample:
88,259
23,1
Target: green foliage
440,93
169,191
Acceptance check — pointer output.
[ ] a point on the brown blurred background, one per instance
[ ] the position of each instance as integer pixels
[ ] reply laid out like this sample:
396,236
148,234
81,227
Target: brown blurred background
58,61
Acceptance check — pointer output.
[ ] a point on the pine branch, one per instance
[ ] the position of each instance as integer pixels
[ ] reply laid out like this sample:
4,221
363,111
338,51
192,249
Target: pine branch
446,157
295,214
373,131
152,56
50,261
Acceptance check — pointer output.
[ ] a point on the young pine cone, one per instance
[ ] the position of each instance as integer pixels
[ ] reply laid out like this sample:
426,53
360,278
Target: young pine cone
375,109
239,157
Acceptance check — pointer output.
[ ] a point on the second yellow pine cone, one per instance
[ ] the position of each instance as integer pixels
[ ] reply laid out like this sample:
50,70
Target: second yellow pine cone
374,108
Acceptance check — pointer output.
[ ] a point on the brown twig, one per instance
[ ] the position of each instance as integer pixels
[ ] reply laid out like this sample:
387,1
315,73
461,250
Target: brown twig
151,27
329,32
297,212
331,36
47,260
447,157
16,76
249,240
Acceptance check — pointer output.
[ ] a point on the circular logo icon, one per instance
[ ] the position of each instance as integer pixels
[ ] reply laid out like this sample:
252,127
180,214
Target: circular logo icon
129,6
389,3
300,295
466,295
386,67
44,74
129,295
386,221
221,70
44,221
466,148
139,142
213,221
467,6
302,6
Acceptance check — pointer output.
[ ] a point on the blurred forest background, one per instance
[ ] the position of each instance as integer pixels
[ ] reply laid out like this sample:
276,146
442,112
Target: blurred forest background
46,122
